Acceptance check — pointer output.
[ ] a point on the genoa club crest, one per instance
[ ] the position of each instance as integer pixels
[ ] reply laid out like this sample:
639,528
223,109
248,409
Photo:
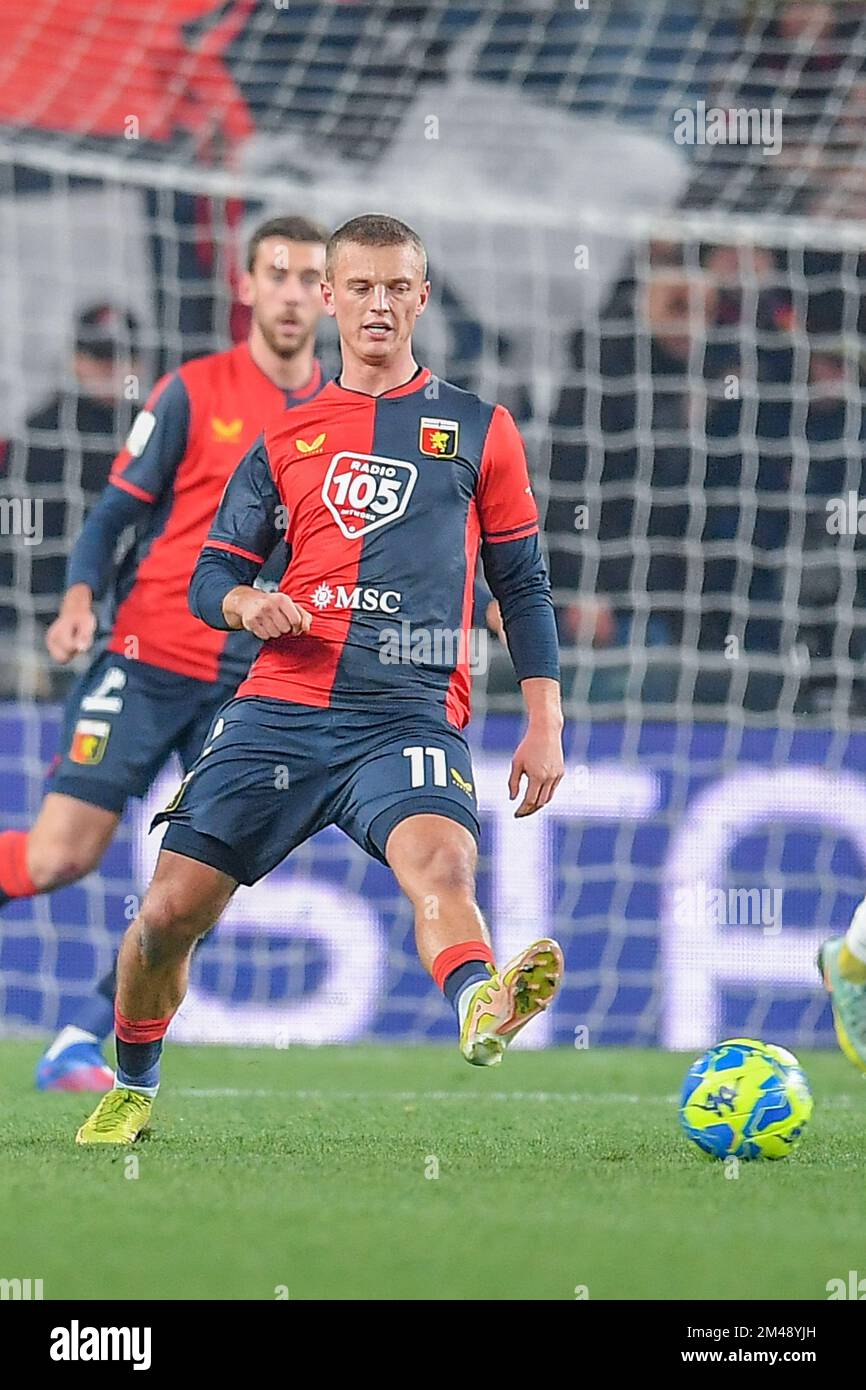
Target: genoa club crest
364,492
89,741
438,438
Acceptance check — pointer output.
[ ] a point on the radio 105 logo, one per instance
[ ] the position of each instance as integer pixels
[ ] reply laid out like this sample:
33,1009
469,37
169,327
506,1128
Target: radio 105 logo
364,492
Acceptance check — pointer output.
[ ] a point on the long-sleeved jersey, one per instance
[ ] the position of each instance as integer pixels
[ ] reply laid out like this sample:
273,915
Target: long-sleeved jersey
385,502
166,483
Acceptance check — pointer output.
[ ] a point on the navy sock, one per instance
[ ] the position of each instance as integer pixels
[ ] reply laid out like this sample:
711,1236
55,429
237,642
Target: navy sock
138,1063
470,972
96,1014
4,898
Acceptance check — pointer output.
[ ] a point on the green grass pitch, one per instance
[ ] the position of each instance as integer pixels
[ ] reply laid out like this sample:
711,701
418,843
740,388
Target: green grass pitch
307,1170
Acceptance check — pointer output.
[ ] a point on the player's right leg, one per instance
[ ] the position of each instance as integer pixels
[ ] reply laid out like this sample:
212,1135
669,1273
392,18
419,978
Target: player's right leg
104,744
410,801
433,859
122,721
842,962
183,902
66,841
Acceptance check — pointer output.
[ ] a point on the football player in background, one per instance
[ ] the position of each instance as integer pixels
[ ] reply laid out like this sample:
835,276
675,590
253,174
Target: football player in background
388,483
842,963
153,688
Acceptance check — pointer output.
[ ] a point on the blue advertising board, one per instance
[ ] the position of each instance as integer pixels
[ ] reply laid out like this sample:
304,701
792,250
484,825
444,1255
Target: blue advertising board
689,872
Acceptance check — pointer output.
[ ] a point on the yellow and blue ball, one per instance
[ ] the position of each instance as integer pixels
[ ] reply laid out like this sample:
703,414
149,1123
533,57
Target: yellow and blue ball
746,1099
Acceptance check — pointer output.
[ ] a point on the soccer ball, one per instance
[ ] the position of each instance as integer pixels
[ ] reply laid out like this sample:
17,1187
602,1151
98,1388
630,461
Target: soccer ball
745,1099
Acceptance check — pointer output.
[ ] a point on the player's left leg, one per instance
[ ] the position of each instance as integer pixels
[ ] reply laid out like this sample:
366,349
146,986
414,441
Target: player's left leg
433,859
842,962
228,823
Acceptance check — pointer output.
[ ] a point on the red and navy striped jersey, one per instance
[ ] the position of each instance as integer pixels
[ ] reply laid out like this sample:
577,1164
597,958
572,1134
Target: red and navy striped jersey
181,451
385,502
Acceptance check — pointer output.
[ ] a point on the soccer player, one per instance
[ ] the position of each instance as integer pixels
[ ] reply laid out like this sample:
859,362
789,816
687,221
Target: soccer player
387,482
842,962
156,685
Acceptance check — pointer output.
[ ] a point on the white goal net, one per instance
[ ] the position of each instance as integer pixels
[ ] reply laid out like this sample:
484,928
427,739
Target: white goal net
645,235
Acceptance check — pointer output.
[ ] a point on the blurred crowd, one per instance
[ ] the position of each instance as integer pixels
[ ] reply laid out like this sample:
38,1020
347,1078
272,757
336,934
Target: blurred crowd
805,60
712,422
60,460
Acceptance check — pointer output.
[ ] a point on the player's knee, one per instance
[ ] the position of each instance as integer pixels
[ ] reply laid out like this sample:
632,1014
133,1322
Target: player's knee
169,925
446,869
57,863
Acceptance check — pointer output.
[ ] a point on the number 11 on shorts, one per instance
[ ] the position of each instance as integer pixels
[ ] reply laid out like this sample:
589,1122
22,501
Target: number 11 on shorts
418,766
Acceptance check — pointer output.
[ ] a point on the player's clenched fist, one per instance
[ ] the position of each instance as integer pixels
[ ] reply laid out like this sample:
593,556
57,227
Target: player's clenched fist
264,614
74,627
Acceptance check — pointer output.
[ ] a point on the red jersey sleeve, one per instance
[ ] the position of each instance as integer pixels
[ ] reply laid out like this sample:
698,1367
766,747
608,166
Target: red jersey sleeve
506,506
156,443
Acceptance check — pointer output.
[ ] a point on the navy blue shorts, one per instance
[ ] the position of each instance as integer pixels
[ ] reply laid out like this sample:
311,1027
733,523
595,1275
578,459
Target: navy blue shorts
123,720
272,773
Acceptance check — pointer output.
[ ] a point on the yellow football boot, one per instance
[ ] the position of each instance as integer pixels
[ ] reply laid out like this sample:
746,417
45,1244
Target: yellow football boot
119,1118
511,998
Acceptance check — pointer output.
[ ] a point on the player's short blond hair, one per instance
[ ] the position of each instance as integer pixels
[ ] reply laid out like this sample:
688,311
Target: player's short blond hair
373,229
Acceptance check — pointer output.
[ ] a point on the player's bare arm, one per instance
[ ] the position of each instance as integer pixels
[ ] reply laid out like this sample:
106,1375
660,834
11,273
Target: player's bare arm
538,756
74,628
